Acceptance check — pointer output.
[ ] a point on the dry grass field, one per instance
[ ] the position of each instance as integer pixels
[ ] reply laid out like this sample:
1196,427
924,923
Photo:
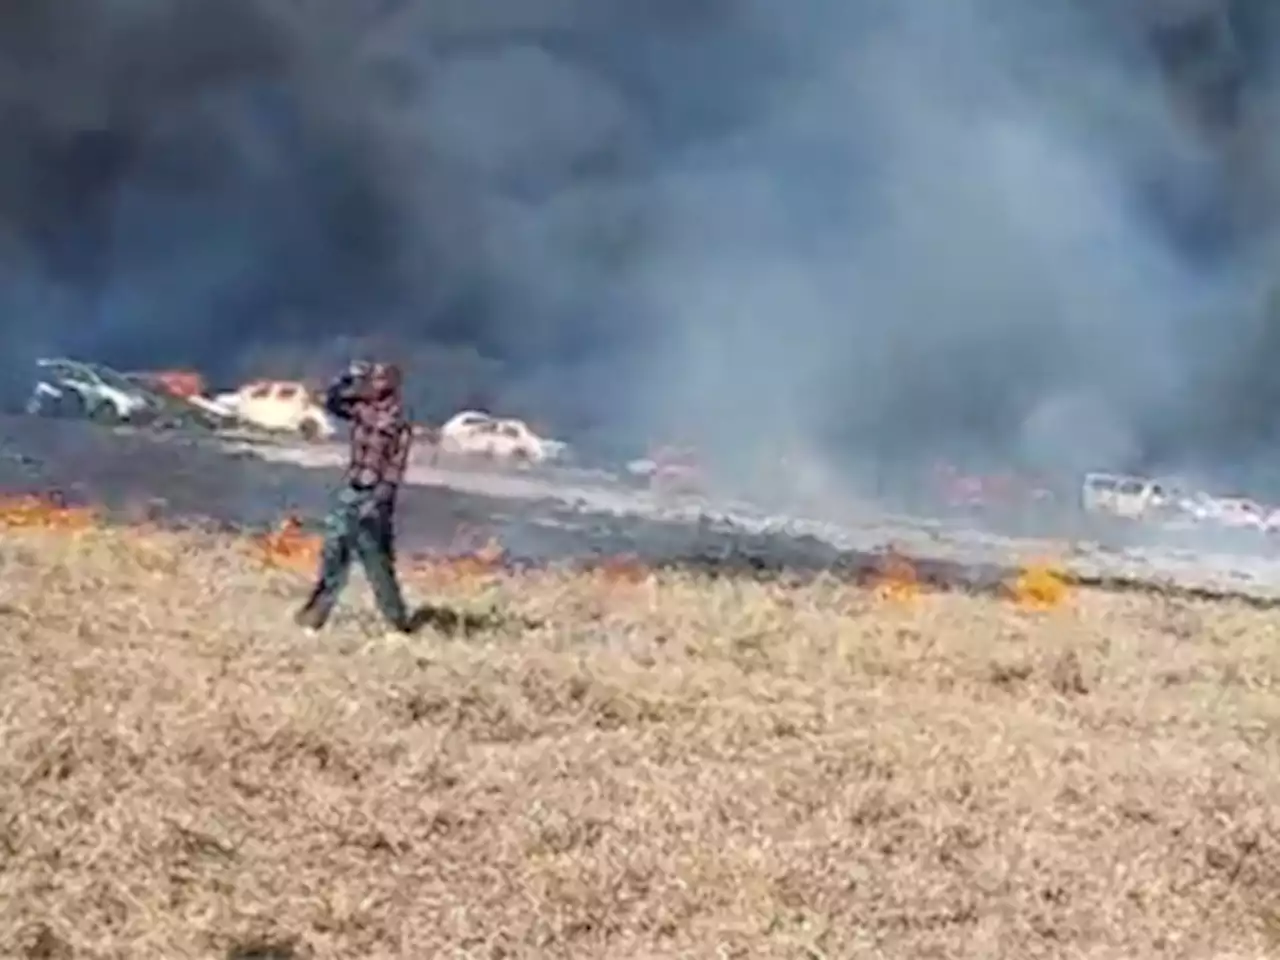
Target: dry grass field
614,766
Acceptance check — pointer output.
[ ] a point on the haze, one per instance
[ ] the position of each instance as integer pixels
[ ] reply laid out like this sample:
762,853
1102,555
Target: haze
866,232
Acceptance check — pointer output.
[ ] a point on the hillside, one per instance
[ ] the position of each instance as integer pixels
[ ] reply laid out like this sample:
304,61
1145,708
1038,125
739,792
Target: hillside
610,764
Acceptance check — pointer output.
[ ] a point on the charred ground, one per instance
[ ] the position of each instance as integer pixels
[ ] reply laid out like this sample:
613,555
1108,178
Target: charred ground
185,482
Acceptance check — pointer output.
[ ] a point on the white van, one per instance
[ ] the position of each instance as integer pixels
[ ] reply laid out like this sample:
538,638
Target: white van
1127,497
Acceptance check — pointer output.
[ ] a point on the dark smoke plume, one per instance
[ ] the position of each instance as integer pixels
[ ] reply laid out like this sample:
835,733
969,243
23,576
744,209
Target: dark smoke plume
860,231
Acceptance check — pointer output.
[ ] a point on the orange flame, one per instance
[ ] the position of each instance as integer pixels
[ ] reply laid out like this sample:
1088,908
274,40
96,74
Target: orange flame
45,512
290,546
480,562
622,570
896,578
458,564
1040,586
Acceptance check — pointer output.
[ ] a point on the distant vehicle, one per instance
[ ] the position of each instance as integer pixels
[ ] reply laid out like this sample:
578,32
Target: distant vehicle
960,491
670,470
180,396
73,388
474,433
1126,497
1234,513
975,492
183,384
284,406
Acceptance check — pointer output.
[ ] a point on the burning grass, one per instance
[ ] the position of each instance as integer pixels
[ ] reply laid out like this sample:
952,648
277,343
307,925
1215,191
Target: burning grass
45,512
620,763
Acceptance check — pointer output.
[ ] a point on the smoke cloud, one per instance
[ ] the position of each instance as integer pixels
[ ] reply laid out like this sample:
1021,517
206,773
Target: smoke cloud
863,231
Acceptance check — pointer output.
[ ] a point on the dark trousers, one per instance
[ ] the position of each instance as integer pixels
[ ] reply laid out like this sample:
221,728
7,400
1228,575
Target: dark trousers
355,525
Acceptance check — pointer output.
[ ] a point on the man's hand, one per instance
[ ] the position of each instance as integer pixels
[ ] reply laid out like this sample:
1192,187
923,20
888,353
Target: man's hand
343,392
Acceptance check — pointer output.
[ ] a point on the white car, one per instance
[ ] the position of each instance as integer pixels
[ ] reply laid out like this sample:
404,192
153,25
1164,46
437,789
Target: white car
1235,513
1127,497
77,389
278,405
478,434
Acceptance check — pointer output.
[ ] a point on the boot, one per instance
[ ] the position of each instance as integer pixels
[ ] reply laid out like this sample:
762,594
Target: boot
309,618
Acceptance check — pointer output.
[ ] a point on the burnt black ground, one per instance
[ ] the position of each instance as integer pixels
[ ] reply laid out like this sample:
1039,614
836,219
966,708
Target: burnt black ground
183,480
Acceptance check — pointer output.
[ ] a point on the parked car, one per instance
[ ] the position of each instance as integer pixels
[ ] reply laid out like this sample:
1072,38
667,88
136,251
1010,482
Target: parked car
670,470
184,384
961,490
284,406
1231,512
73,388
1126,497
478,434
180,396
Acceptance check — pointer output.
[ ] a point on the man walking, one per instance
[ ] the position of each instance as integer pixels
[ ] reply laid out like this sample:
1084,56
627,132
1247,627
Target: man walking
362,517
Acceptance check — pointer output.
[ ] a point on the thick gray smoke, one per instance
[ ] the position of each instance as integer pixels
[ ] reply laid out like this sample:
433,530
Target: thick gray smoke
942,234
860,231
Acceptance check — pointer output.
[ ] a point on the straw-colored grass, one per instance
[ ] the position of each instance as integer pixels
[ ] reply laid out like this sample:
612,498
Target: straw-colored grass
603,767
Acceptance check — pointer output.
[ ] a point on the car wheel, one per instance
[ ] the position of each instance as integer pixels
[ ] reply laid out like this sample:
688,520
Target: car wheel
106,414
309,430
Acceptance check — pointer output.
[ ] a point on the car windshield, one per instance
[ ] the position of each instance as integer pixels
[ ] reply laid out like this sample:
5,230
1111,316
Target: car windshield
53,367
111,378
